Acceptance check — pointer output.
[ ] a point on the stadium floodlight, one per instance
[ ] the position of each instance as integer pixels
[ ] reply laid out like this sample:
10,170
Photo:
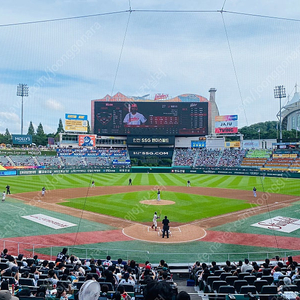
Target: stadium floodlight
279,92
22,91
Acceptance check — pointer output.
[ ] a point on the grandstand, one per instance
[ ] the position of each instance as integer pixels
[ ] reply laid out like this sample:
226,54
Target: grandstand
256,158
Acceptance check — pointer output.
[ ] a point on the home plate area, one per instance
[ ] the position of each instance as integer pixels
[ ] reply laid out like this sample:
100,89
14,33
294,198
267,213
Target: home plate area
179,234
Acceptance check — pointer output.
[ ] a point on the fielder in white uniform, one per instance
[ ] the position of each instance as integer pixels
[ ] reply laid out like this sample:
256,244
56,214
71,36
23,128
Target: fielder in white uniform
155,217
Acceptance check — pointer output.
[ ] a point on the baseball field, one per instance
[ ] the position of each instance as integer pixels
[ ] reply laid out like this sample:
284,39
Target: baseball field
217,218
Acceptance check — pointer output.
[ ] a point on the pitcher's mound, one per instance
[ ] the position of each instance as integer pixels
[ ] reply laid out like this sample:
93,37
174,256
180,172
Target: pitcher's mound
156,202
180,234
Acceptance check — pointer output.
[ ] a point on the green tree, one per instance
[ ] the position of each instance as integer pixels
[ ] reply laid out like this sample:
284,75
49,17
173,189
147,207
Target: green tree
40,138
88,127
30,129
60,128
7,139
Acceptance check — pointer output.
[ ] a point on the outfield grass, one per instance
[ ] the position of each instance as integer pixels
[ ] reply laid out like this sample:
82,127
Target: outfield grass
187,207
21,184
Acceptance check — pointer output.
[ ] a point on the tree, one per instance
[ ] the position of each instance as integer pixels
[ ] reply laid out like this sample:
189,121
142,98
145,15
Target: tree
40,138
88,127
60,128
31,129
7,137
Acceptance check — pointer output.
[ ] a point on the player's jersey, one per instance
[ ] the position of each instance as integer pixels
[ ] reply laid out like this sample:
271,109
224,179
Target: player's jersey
134,119
155,217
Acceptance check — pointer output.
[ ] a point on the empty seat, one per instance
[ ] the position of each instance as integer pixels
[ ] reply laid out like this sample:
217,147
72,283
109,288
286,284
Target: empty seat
248,289
26,282
259,283
210,280
217,283
269,278
250,279
224,275
231,279
218,272
243,274
269,289
238,284
225,289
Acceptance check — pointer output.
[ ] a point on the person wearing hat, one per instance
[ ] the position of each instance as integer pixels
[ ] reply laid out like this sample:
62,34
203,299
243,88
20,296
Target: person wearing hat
166,227
6,295
133,117
155,217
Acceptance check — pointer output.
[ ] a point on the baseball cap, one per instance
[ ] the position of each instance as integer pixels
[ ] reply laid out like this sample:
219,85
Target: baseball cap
133,105
148,267
6,295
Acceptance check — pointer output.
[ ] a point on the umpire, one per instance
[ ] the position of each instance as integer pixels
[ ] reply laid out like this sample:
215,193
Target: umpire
166,227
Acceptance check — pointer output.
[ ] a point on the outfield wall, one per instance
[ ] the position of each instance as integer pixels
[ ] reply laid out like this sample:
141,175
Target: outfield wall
218,170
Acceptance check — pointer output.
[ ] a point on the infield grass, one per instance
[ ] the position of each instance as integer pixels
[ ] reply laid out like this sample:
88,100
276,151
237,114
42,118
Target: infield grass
187,207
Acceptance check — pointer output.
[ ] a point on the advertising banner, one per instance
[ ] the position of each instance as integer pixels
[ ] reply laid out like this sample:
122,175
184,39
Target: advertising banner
232,144
87,140
226,124
76,123
250,144
19,139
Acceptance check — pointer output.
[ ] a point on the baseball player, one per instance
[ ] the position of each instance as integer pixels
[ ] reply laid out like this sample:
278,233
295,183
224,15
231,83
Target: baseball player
3,196
93,183
133,117
155,217
43,191
158,195
188,184
254,192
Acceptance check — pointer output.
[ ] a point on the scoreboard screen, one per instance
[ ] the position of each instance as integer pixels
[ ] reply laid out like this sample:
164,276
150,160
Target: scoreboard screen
151,118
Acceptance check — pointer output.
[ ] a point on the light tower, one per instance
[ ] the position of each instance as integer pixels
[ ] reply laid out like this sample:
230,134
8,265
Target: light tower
22,91
279,92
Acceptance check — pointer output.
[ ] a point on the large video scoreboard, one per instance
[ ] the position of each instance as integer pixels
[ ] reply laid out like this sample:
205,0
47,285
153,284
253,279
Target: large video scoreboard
151,118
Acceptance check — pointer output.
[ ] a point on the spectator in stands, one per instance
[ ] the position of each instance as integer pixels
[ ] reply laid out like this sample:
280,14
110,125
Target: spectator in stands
214,267
61,256
158,290
147,274
21,261
11,261
52,277
127,279
104,291
276,272
124,295
6,295
183,296
4,253
286,282
109,277
45,267
107,263
246,267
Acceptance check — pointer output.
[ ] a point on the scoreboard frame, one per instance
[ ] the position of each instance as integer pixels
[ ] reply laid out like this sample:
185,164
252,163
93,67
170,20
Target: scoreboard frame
151,118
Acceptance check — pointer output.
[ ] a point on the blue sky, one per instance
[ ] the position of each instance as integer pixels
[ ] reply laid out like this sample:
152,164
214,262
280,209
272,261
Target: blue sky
68,63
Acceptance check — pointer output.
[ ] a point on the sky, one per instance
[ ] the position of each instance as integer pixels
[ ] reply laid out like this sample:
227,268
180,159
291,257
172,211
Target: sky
70,52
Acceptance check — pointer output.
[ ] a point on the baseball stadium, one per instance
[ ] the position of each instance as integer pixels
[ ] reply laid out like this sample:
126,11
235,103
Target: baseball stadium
152,193
217,217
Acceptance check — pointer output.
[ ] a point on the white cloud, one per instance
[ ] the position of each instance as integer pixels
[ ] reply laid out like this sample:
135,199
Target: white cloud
54,105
